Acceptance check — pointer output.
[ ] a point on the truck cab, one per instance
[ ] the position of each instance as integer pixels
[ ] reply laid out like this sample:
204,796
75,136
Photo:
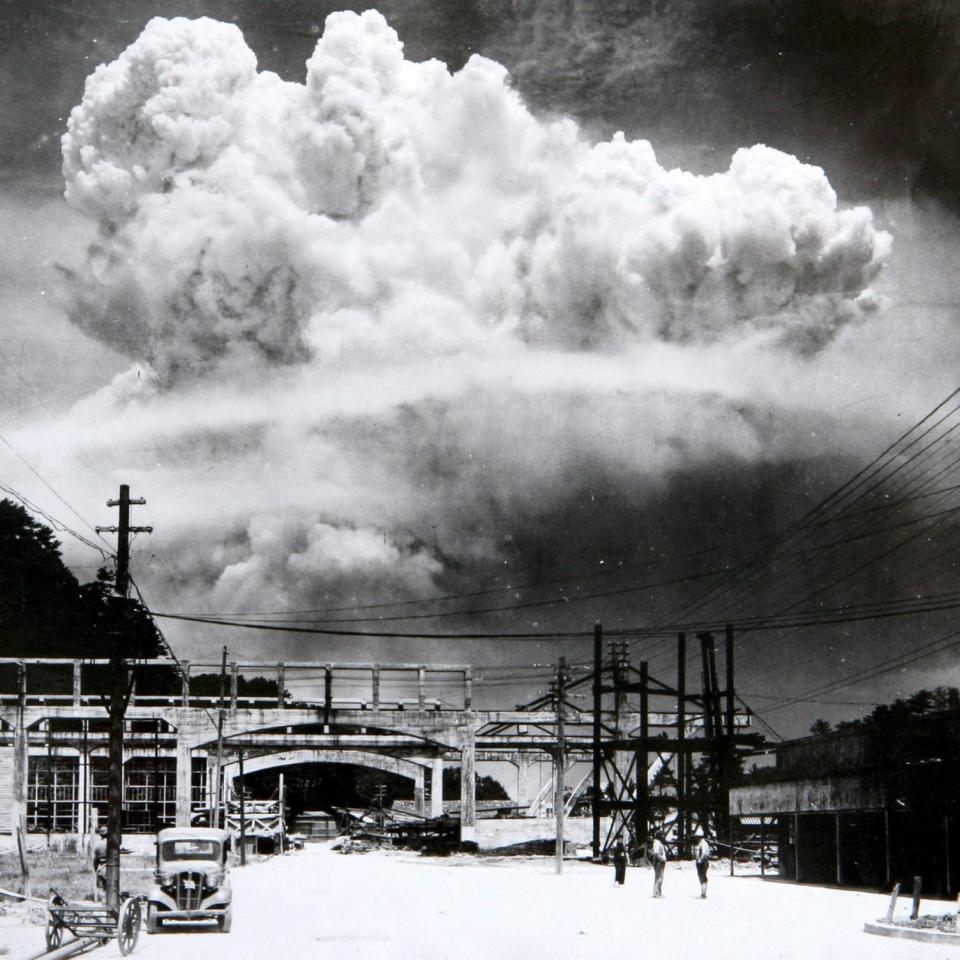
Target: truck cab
192,879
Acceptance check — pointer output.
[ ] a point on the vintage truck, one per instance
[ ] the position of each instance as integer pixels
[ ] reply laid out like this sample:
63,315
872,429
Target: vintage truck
192,878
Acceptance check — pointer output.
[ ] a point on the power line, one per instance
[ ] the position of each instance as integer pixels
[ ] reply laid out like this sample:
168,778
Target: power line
930,649
53,490
57,525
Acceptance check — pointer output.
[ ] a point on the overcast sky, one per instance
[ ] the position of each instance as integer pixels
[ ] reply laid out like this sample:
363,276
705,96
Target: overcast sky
368,329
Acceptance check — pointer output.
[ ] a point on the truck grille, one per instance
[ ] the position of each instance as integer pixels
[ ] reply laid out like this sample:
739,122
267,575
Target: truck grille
189,890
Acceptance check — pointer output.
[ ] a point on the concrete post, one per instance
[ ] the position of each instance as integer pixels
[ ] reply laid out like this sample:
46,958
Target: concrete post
418,797
76,683
436,788
421,691
184,781
185,692
523,781
281,683
468,792
375,687
83,797
20,748
211,793
234,687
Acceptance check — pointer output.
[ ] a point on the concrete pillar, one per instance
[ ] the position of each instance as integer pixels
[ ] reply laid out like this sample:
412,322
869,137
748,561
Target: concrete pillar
234,684
21,742
211,794
19,787
83,797
436,788
76,683
468,791
184,781
524,796
419,801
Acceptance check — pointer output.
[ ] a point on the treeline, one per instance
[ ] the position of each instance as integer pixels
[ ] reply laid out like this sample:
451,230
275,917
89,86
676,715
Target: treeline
903,709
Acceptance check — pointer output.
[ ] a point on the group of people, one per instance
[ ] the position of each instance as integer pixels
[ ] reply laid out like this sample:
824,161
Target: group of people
656,854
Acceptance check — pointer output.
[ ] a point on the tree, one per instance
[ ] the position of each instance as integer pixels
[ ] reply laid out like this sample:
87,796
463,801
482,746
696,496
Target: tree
487,787
40,599
46,612
821,727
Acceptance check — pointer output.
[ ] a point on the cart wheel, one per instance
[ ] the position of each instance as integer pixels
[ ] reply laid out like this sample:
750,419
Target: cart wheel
128,925
53,934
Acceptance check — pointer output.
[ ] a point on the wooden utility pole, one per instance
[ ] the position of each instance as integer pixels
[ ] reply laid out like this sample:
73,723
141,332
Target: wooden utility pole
20,759
561,763
597,755
243,815
281,792
121,688
218,796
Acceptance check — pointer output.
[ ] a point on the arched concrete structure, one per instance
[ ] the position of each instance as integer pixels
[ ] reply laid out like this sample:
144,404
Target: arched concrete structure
401,767
410,768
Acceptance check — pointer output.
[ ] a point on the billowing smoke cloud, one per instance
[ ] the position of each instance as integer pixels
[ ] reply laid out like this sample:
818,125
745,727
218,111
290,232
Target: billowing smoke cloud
390,205
419,316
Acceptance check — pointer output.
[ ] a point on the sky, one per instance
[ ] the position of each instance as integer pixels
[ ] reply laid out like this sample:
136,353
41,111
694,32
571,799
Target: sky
503,301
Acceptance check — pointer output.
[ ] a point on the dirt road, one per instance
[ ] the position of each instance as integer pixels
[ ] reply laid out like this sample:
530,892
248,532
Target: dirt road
320,905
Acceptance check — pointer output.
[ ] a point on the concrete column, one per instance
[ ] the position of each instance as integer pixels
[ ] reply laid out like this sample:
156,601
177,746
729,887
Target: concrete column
436,788
19,792
184,781
76,683
234,684
83,797
468,792
524,765
419,802
211,794
21,743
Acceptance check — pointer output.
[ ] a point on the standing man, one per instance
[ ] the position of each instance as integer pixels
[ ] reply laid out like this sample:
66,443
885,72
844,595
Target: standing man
619,863
657,855
100,862
701,853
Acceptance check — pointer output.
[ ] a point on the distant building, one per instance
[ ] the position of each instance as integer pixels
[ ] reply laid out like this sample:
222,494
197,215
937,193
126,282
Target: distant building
866,806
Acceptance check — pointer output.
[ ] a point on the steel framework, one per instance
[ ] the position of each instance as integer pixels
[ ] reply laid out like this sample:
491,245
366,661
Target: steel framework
667,769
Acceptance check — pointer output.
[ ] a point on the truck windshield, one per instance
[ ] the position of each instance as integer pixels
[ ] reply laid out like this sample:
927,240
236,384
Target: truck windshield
190,850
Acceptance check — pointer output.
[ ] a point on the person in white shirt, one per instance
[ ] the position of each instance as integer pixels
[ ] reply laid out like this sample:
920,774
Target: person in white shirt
657,855
701,853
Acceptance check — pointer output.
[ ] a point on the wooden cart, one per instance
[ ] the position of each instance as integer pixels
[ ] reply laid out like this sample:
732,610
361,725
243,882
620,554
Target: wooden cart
94,920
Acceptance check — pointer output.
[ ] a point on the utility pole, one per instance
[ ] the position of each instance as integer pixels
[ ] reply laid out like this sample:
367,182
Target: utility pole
561,763
20,762
243,815
121,687
218,796
597,755
283,819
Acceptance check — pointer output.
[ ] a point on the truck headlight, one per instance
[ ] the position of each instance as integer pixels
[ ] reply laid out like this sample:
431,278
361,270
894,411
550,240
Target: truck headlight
214,880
